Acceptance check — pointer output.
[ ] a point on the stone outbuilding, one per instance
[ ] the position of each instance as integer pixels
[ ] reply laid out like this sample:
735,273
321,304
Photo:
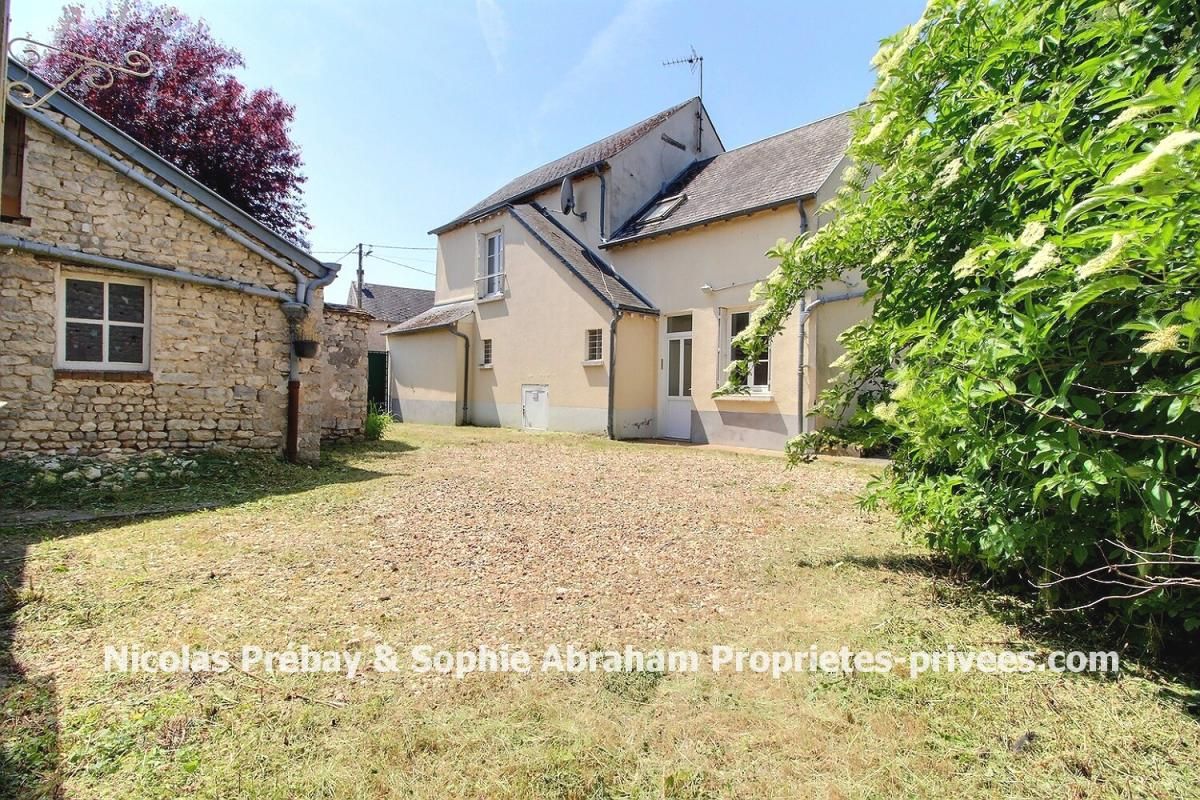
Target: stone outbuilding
141,311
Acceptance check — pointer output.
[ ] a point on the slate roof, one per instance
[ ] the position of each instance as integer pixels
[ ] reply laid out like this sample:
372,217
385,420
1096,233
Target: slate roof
580,259
436,317
551,174
391,303
126,146
758,176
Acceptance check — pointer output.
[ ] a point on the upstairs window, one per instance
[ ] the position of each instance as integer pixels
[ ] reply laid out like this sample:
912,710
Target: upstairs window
102,323
758,378
594,345
485,357
491,283
14,166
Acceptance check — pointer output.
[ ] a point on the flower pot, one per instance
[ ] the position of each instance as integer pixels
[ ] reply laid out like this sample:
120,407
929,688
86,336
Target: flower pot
305,348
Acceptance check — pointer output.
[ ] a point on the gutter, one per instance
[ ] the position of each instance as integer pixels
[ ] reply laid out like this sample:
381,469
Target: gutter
125,145
92,260
709,220
129,171
596,167
806,311
612,372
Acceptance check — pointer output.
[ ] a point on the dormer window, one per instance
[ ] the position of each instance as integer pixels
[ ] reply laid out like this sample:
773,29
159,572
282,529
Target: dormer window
663,208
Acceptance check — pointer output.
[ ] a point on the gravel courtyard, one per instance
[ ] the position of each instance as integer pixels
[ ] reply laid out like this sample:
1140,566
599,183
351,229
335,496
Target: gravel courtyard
464,537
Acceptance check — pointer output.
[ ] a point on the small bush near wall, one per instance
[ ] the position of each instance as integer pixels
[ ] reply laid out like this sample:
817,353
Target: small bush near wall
378,421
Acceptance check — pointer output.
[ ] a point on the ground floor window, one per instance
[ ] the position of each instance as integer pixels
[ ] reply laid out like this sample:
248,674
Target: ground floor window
103,322
485,355
758,378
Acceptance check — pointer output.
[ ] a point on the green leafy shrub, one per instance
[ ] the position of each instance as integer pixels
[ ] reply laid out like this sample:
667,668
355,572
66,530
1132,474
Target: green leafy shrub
1023,205
378,421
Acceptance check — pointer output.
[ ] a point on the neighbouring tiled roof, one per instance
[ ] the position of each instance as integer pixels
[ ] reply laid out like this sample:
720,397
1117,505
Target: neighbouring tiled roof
391,303
549,174
765,174
436,317
577,257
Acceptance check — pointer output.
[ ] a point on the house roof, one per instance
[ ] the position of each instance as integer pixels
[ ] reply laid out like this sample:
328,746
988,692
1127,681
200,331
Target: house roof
437,317
391,303
126,146
547,175
585,263
766,174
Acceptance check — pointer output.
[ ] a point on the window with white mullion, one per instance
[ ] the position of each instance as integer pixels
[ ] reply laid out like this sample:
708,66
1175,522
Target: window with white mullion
493,263
103,323
594,350
758,377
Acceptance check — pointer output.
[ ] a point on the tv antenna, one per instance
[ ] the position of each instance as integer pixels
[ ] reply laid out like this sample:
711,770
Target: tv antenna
696,62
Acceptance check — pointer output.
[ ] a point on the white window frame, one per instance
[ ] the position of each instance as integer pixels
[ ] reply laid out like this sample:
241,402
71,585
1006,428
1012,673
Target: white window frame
589,358
491,283
662,209
752,388
486,353
105,365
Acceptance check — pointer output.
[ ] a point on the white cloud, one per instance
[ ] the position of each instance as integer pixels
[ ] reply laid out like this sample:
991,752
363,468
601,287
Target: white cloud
619,36
495,30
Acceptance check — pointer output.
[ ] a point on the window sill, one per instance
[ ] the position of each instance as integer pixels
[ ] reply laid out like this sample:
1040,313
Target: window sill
594,362
22,221
756,397
486,366
104,375
490,298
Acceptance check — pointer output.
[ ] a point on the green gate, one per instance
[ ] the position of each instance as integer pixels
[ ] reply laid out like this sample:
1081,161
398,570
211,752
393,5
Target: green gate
377,379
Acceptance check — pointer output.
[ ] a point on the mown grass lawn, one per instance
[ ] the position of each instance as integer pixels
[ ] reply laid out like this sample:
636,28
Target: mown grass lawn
464,537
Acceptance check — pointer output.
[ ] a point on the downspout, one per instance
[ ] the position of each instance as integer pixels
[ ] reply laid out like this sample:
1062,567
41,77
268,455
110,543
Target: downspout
137,177
466,369
806,311
603,196
612,372
804,314
295,313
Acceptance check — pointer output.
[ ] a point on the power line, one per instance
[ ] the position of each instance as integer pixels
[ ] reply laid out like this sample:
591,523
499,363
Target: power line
399,247
339,258
399,264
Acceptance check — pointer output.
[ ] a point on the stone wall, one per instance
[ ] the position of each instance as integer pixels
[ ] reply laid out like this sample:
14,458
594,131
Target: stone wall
344,373
218,357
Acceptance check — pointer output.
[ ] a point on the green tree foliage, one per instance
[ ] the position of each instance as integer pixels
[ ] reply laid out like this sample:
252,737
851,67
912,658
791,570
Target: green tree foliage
1023,204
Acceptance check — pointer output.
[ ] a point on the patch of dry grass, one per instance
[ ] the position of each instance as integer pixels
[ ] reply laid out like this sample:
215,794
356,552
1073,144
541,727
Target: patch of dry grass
463,537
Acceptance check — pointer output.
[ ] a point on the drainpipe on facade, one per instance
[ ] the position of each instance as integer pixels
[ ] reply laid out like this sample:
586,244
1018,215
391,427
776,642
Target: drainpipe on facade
612,372
806,311
466,369
296,312
603,194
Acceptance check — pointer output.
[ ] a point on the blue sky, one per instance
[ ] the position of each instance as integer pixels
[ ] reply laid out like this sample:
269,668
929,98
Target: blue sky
409,112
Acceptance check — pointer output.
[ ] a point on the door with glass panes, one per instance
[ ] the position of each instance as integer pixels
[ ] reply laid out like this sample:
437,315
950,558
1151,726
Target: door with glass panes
677,381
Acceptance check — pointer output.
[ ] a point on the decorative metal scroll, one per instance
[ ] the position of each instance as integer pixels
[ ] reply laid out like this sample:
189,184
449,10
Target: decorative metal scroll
94,73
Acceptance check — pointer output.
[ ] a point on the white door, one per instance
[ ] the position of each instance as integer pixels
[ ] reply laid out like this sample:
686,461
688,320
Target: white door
535,406
677,382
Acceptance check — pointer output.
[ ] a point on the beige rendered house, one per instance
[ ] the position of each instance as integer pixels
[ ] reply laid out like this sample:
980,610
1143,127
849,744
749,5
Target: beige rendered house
387,306
599,293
